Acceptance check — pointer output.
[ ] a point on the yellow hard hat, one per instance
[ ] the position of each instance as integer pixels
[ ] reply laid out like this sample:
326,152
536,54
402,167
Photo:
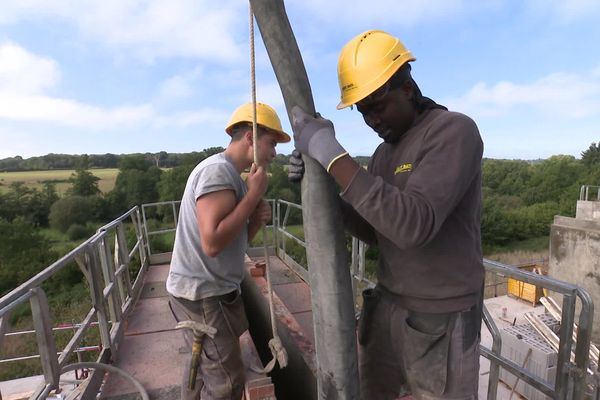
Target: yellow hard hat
367,62
266,117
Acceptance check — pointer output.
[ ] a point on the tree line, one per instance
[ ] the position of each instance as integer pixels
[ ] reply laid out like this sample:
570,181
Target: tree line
520,199
52,161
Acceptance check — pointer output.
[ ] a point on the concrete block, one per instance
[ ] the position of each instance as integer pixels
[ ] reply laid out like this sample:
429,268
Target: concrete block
516,342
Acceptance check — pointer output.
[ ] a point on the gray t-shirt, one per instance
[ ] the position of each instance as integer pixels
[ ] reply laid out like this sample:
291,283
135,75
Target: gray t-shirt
194,275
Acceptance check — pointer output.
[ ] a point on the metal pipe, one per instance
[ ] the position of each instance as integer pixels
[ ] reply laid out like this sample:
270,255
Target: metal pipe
331,287
582,348
563,364
521,373
496,350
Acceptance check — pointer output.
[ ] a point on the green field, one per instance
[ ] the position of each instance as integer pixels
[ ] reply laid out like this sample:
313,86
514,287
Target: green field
36,179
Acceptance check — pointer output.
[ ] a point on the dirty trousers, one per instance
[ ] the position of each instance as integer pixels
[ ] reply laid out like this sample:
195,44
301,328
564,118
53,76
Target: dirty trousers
431,355
221,371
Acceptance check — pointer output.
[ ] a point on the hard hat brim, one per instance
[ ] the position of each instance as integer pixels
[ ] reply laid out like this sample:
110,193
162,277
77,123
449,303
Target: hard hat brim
281,136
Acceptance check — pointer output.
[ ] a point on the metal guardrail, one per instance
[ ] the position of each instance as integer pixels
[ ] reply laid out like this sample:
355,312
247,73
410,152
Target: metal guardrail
112,293
570,382
584,192
173,206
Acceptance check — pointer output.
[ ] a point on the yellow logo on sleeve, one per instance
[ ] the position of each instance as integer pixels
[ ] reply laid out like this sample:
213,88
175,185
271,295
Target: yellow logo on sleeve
403,168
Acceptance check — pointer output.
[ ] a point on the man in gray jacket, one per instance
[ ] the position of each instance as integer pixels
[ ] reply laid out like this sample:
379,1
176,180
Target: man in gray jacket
420,202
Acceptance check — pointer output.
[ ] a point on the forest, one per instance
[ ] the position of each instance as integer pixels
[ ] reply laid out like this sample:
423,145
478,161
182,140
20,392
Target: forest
520,199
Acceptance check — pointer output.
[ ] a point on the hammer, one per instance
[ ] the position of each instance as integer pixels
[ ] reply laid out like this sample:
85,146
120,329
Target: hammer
199,330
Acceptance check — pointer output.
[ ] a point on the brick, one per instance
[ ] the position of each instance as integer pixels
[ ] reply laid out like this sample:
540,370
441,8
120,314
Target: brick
260,389
258,270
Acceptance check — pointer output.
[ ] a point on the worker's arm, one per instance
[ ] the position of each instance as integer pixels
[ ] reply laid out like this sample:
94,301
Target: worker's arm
356,225
448,167
353,222
412,216
220,219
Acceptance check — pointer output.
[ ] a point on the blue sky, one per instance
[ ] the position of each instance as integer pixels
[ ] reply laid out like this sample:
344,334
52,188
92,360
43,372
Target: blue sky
125,76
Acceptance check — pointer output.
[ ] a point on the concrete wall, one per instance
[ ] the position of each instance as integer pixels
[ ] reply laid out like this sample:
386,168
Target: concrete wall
588,210
575,258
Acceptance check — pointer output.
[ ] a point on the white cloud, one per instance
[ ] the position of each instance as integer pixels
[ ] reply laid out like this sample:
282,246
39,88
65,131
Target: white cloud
25,77
24,72
70,113
148,29
561,95
358,15
65,112
176,87
566,11
186,119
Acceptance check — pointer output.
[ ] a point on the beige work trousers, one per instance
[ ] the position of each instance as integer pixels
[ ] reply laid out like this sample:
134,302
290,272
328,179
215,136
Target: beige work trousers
221,372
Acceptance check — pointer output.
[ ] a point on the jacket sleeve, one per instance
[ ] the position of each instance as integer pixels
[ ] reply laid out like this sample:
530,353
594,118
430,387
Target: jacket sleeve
449,161
356,225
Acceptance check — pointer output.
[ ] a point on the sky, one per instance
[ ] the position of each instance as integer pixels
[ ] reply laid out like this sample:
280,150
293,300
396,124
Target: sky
136,76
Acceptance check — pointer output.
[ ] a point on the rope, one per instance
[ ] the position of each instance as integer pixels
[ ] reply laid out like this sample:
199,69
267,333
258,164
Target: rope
253,82
277,350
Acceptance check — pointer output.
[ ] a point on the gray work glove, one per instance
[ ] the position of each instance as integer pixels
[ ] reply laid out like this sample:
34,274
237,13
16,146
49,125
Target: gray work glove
296,167
315,137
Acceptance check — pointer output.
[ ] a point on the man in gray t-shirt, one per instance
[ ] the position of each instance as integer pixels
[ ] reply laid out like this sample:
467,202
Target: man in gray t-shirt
219,214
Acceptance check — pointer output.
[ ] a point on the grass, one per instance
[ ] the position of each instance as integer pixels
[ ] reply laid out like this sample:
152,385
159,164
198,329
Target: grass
526,251
296,230
61,243
36,179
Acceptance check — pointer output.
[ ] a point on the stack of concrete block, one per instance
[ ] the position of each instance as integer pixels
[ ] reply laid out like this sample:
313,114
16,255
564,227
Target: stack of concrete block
516,342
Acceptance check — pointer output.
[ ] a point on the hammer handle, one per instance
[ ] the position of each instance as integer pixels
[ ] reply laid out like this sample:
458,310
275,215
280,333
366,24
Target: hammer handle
195,362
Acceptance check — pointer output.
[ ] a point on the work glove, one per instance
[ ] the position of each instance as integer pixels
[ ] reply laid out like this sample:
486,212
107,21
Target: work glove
315,137
296,167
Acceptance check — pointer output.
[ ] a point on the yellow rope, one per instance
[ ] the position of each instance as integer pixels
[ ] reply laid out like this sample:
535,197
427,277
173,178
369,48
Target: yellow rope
253,81
277,350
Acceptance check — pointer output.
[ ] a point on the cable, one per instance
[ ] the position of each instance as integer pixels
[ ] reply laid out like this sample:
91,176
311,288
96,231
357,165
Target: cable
110,368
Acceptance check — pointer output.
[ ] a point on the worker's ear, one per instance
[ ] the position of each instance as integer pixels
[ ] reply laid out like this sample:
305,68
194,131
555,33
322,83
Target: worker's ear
248,136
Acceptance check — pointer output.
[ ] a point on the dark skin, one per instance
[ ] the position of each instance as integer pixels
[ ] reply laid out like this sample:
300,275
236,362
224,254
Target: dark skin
390,117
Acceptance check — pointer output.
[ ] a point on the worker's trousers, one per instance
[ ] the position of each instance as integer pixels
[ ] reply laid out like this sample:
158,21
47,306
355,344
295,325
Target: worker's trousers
431,355
221,372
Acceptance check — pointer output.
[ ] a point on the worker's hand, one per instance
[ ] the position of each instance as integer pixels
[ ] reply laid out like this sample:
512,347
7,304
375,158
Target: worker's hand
262,213
315,137
256,181
296,167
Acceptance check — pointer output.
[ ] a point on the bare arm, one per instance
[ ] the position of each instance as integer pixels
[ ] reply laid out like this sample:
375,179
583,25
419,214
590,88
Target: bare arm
220,220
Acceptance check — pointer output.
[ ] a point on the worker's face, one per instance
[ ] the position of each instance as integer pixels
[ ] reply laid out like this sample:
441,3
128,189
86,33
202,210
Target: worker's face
389,111
266,143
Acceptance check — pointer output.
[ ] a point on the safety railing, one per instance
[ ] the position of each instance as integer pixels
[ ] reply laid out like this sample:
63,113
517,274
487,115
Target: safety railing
571,375
283,212
587,190
164,209
106,262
